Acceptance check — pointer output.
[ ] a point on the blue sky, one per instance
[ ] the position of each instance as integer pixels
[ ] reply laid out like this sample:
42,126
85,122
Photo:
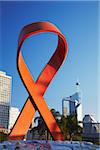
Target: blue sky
78,21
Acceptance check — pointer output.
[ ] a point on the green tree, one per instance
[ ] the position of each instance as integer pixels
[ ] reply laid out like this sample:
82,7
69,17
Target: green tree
42,128
63,126
56,114
3,136
70,128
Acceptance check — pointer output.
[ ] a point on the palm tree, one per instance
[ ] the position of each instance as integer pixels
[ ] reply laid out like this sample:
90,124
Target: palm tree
70,127
42,128
56,114
63,126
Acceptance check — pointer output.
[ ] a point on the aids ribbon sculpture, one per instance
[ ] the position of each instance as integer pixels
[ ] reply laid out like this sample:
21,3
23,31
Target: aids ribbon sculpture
36,90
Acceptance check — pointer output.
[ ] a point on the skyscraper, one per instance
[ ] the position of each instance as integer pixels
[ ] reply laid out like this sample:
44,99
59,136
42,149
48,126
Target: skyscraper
5,99
14,112
75,106
74,102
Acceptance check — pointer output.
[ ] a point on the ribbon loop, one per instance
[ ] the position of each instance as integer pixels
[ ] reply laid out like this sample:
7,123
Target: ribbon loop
36,90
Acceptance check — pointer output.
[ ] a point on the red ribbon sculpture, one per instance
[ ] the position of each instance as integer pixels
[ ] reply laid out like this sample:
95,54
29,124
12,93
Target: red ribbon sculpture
36,90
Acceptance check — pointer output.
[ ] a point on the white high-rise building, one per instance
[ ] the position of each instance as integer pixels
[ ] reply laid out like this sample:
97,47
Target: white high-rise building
14,113
79,113
75,106
5,99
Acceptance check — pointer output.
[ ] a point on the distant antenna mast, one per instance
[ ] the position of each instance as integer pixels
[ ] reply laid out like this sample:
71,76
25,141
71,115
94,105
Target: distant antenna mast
78,89
78,86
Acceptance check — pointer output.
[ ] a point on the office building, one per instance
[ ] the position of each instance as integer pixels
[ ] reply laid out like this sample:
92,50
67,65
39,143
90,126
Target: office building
74,102
72,105
14,113
65,111
91,129
5,99
79,114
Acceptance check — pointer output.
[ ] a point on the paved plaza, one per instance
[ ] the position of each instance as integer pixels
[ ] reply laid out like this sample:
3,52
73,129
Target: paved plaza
48,145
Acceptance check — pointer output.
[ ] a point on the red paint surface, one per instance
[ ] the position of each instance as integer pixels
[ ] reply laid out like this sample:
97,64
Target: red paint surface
36,90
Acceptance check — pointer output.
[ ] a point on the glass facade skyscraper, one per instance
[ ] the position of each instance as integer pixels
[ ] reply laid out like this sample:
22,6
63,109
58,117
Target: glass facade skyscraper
74,106
5,99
